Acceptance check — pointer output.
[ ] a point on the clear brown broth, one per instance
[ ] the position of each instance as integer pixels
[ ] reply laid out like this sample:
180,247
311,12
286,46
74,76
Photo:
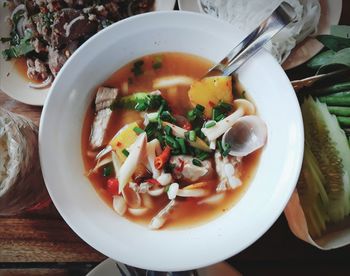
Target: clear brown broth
187,213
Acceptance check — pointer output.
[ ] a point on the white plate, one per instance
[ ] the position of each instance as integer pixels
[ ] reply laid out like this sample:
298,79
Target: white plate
108,268
330,15
13,83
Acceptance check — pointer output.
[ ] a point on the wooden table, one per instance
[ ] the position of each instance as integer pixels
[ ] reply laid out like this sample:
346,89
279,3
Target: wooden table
41,243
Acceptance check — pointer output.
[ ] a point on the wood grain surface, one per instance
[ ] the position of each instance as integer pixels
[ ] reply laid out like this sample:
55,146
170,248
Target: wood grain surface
41,243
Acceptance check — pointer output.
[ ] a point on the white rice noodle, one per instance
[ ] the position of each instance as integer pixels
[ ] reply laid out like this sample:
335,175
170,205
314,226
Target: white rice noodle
192,192
222,126
119,205
137,211
100,163
156,192
159,220
212,200
165,179
172,191
116,164
103,152
129,166
153,148
171,81
212,144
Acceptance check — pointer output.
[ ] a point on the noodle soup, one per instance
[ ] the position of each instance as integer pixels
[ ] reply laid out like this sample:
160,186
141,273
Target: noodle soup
153,144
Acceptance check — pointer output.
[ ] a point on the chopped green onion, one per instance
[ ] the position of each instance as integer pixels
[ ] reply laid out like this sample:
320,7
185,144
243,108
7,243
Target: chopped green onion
219,118
203,155
192,135
141,106
224,106
150,130
171,142
219,146
168,130
200,108
107,170
157,62
226,150
138,130
125,152
196,162
191,115
182,144
210,124
166,116
137,68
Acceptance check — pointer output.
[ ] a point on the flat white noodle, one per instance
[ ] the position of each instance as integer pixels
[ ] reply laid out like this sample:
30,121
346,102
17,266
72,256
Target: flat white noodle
247,15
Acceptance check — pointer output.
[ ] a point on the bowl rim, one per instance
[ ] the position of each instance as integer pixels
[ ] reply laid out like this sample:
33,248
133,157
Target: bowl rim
43,145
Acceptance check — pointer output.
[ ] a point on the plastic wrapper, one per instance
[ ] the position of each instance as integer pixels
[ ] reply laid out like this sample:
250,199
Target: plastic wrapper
336,236
21,182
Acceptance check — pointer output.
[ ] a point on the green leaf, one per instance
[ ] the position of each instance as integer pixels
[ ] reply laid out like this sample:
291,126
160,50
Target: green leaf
21,49
321,59
334,43
340,59
340,31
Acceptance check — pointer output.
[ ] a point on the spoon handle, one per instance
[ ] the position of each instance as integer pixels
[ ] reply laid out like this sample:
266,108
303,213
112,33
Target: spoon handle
281,16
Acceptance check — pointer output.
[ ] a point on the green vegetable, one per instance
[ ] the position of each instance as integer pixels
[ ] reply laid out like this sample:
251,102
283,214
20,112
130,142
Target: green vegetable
137,68
333,42
171,142
329,145
107,170
321,59
340,31
168,130
338,100
330,89
312,194
196,162
23,47
166,116
344,121
182,144
140,101
340,59
210,124
339,110
157,62
125,152
138,130
202,155
192,136
226,149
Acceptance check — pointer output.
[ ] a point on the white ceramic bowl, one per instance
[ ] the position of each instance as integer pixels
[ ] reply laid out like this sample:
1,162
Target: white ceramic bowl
168,250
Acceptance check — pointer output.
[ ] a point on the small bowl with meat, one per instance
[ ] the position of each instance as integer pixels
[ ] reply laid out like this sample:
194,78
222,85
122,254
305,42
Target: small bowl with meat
38,37
154,165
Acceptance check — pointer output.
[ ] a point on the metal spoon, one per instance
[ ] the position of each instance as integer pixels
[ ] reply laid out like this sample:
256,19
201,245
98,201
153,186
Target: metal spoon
281,17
